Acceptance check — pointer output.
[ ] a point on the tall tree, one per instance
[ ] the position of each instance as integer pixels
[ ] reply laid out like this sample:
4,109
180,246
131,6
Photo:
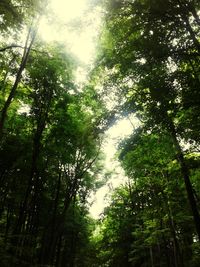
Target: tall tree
146,45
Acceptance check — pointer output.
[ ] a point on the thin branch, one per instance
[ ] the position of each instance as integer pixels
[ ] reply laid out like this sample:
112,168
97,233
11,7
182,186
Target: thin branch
22,47
10,47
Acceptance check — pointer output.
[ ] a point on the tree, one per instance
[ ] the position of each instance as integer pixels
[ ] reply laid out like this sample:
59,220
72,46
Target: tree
146,223
26,14
52,168
148,55
14,15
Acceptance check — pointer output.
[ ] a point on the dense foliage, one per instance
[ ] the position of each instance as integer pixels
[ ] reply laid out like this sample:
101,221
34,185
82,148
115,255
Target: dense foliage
51,135
49,146
151,53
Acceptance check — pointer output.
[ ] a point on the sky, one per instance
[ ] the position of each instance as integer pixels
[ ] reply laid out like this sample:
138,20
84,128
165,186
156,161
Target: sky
122,129
77,25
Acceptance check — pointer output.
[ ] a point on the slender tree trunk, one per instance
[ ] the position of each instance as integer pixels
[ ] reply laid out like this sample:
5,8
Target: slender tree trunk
151,256
178,257
58,252
185,174
30,202
30,39
6,75
50,231
26,226
175,253
166,250
185,14
8,224
57,226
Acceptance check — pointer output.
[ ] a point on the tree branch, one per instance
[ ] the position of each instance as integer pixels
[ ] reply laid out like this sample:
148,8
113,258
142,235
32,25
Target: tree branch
22,47
10,47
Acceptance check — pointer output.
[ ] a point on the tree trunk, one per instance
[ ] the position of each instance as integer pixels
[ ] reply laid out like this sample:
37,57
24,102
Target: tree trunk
6,75
185,13
49,235
58,252
26,226
185,173
151,256
25,56
178,257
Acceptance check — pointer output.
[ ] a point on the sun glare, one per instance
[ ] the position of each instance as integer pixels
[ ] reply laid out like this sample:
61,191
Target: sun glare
76,25
69,9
